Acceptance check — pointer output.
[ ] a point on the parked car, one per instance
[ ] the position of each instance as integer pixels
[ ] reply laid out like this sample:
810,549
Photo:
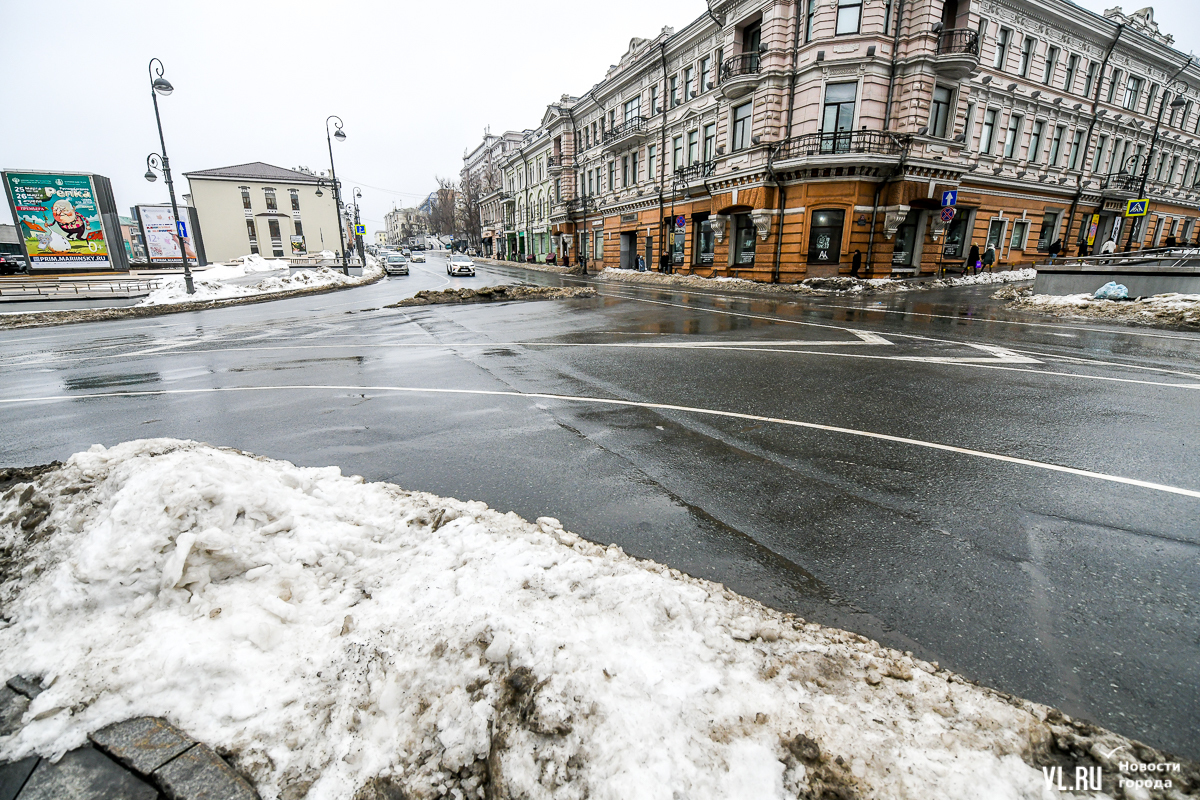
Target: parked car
460,265
471,251
418,257
12,263
396,265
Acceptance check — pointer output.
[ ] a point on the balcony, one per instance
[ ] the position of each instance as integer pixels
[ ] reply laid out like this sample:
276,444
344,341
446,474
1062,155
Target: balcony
842,142
1120,184
630,132
554,164
957,53
695,172
740,75
507,197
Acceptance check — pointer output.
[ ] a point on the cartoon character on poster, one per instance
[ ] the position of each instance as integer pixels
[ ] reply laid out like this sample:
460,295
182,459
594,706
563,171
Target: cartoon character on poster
59,218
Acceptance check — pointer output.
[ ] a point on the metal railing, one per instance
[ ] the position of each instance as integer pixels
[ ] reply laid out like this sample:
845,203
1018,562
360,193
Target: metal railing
822,144
631,125
695,172
958,40
744,64
554,161
1120,182
23,287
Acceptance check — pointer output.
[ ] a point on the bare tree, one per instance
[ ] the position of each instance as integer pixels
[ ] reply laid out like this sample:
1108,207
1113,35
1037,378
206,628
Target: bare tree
443,217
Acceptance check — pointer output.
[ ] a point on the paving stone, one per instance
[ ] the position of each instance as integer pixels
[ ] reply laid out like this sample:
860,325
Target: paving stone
85,774
143,744
13,775
12,708
29,687
201,774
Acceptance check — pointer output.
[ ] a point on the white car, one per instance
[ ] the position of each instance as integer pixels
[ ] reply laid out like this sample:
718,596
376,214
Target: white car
396,265
459,264
418,257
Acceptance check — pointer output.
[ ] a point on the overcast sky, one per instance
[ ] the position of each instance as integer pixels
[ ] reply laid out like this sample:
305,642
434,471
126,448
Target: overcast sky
414,82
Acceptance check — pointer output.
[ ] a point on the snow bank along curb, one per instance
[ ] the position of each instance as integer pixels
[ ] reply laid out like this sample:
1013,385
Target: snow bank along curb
494,294
330,635
1163,310
45,318
535,266
841,285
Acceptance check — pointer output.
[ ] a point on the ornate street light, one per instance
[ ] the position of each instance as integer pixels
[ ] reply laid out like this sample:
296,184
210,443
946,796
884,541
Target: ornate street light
337,197
160,85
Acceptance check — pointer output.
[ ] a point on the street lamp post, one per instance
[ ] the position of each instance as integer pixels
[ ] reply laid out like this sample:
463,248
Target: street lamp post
160,85
337,195
358,222
1136,225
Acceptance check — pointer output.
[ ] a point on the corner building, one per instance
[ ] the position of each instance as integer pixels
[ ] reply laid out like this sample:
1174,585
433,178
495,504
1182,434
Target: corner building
772,140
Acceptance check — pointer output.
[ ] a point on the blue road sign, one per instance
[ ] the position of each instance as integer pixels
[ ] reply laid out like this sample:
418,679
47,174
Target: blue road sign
181,226
950,197
1136,208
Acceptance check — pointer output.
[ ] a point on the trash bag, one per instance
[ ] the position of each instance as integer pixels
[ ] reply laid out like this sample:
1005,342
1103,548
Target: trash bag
1112,291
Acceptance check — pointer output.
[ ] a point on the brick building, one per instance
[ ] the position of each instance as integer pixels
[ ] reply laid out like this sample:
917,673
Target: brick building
772,140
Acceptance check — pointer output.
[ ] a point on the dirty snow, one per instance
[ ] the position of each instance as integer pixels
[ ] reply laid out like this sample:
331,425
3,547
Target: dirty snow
328,632
842,284
213,283
1170,309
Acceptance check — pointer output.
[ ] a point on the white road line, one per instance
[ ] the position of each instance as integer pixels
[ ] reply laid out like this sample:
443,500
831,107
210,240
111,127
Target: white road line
1159,487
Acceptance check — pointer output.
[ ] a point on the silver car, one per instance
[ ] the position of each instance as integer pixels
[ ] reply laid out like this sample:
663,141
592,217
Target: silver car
459,264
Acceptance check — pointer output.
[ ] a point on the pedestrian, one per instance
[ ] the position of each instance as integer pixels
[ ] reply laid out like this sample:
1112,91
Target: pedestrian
1171,242
989,258
972,262
856,264
1055,249
641,263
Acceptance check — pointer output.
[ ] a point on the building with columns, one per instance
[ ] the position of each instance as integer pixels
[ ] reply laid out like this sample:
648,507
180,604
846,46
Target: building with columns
773,140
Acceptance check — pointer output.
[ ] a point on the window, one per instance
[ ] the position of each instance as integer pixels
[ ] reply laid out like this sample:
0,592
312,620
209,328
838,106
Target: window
591,182
612,119
1113,80
1187,174
299,227
939,111
689,83
1089,81
702,248
1072,71
558,189
1015,123
633,108
633,168
1076,157
1056,145
1002,41
693,153
1051,65
887,20
1133,88
1173,170
624,170
677,153
710,141
1035,141
837,118
1153,93
674,92
1020,230
253,236
987,134
848,16
612,175
1049,227
705,73
652,163
825,238
653,100
295,197
1027,46
741,126
245,197
752,38
810,16
269,194
276,239
743,240
1101,144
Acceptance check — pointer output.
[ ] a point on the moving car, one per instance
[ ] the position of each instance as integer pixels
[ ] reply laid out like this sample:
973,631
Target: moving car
460,265
396,264
418,257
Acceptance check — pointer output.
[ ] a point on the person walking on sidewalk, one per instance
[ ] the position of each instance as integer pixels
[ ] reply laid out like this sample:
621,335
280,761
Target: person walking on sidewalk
1055,249
989,257
972,262
856,264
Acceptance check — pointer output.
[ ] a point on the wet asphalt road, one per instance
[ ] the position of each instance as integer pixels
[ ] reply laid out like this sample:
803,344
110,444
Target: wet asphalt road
1075,590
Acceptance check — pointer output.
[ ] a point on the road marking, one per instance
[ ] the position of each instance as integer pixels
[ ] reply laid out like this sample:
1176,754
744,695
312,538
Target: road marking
1159,487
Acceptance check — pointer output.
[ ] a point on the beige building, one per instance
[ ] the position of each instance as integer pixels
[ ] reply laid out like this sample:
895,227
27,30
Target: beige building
262,209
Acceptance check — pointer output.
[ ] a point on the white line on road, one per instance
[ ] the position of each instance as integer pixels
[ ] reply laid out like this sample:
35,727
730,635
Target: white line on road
1159,487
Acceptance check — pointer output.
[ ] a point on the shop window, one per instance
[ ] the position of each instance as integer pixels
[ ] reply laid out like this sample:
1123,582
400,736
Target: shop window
743,240
1020,231
995,236
1049,227
825,238
704,246
904,250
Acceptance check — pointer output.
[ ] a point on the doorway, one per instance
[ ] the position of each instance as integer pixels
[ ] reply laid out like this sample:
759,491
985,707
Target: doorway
629,250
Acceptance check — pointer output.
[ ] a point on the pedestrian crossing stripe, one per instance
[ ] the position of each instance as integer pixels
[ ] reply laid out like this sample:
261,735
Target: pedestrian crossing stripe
1136,208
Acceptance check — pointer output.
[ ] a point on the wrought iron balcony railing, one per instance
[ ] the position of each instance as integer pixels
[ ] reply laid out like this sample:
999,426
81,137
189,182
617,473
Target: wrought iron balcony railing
744,64
958,40
821,144
629,126
1121,182
695,172
554,161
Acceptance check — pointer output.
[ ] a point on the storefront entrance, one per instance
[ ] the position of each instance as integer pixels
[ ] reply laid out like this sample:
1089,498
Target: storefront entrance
629,250
905,252
825,243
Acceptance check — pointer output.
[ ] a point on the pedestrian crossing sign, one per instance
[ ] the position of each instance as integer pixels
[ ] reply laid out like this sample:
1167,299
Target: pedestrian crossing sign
1136,208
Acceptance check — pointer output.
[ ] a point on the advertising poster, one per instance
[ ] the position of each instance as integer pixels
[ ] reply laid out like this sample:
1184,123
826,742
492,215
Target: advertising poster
58,218
298,245
158,228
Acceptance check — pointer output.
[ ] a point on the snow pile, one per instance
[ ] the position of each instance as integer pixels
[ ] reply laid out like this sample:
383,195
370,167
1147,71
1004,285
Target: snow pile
330,633
1170,309
174,290
840,284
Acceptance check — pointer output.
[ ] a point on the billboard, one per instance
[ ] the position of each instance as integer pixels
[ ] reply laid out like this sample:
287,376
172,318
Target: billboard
159,235
59,220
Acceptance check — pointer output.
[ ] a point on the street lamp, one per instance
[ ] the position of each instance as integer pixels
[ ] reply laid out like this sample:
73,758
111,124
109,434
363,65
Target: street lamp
1136,226
160,85
337,197
357,222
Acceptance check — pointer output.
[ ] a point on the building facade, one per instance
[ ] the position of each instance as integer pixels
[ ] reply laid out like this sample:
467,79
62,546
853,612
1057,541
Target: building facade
402,224
776,140
261,209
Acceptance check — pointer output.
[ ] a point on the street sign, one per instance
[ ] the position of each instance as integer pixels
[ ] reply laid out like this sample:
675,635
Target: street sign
948,213
361,230
950,198
181,226
1136,208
